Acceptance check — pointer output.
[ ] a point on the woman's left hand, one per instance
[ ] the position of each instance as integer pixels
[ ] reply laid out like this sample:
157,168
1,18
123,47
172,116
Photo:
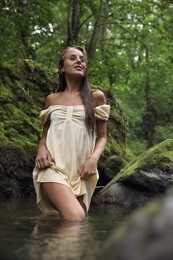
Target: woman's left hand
88,168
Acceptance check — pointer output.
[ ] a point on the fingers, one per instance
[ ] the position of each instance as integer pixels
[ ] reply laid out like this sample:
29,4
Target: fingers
87,169
84,175
43,162
81,169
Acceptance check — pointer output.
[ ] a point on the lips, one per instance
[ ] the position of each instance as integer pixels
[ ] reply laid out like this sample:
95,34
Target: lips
78,67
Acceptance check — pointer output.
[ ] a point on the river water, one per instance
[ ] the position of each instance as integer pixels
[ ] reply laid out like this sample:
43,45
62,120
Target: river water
26,234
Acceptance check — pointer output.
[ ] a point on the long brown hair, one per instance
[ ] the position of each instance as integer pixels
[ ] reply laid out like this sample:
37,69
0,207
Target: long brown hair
85,90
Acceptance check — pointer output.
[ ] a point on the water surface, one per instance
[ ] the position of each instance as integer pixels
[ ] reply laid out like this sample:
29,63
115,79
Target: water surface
27,234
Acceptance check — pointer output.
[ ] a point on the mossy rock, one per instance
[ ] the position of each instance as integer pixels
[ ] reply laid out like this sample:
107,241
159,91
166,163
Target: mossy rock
118,122
23,87
146,234
142,179
116,142
16,166
113,166
152,171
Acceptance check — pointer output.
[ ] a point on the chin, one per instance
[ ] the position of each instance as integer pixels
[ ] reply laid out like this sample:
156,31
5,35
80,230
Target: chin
79,74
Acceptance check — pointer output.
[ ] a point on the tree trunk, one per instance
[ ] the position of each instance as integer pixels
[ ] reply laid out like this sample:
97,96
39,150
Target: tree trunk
96,30
74,25
149,116
73,21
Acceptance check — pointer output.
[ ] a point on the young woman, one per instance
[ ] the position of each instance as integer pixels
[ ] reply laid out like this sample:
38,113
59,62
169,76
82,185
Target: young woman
74,137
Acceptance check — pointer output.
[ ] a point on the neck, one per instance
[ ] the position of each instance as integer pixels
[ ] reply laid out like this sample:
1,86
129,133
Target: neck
73,85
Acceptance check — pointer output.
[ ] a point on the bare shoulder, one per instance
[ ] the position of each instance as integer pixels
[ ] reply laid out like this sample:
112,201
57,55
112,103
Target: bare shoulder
98,97
49,101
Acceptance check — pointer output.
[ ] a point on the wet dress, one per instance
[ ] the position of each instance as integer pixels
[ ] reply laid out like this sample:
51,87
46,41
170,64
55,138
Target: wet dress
70,145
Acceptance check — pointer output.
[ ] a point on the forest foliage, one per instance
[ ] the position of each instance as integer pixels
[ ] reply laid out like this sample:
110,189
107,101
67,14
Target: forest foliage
129,45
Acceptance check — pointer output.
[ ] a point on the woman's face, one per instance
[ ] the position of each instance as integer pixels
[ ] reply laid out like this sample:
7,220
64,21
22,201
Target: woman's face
74,63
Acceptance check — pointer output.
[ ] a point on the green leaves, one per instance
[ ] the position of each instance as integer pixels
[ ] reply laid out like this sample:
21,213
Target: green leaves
130,46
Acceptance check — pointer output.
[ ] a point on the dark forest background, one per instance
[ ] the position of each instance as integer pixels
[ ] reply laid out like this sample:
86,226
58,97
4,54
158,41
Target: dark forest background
130,51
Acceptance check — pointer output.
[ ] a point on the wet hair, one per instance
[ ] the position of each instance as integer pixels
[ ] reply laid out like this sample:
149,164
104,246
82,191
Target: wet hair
85,90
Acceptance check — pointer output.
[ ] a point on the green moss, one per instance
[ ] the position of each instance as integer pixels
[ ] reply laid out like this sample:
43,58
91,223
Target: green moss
113,166
117,131
23,87
16,165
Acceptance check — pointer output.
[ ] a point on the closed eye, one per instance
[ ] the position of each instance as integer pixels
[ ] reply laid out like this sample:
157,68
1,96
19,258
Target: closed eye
73,57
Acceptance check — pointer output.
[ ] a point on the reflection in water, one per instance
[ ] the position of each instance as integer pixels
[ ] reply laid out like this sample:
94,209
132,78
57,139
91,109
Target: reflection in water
27,235
57,239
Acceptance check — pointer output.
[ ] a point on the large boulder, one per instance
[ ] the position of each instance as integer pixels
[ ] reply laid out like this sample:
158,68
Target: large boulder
142,179
145,235
23,87
116,154
16,166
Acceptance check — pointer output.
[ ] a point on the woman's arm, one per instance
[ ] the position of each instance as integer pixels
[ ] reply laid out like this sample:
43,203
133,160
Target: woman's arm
44,158
101,140
89,167
101,126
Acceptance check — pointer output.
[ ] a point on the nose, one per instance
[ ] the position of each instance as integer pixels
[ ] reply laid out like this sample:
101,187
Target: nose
78,60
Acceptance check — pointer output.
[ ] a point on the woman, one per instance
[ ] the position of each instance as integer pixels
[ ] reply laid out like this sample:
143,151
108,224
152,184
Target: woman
74,137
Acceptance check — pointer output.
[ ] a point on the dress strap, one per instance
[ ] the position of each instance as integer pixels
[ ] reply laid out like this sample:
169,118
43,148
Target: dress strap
102,112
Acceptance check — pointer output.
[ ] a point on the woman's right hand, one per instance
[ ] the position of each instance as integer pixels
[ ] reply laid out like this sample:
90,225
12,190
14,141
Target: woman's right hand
43,158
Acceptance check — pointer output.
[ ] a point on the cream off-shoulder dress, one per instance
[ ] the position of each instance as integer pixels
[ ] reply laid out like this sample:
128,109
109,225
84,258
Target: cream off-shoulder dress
70,145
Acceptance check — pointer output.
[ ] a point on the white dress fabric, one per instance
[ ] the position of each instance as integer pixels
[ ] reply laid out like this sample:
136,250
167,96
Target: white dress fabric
70,145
